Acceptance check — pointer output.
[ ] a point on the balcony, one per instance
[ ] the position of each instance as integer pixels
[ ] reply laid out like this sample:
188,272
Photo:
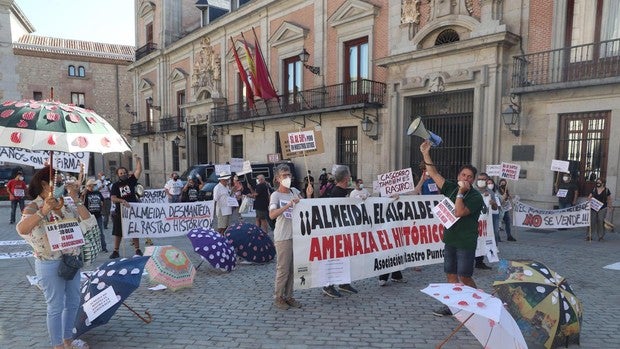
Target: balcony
141,128
569,67
352,95
170,124
145,50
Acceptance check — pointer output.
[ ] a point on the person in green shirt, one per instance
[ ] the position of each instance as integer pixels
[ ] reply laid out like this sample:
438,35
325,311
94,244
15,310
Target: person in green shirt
461,238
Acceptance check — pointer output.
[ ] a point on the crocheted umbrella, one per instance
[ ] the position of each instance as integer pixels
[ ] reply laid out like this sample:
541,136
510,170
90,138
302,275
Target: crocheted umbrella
171,267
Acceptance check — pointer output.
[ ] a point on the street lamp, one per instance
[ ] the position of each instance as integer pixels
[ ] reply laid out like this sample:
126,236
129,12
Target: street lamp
511,116
303,57
367,128
214,137
149,102
129,111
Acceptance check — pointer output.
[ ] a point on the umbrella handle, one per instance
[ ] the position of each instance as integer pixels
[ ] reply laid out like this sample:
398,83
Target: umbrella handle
199,264
454,332
146,320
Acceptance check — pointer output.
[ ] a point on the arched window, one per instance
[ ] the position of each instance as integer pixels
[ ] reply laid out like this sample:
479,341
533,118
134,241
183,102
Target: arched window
81,71
71,70
447,36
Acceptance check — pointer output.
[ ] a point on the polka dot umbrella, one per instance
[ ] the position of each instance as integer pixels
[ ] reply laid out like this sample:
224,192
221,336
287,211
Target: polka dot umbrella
251,242
123,276
214,248
171,267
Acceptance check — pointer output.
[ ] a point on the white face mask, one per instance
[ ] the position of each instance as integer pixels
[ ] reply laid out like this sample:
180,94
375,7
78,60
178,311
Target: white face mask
257,181
481,183
361,185
286,182
565,178
490,186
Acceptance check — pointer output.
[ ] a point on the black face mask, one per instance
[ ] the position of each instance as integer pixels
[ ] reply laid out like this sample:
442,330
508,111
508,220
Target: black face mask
123,177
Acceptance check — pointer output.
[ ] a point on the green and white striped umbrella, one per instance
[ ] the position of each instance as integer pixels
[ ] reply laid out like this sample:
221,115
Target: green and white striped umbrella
51,125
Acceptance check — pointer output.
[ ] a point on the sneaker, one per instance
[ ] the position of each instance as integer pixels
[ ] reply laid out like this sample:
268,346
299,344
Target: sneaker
399,281
444,311
510,238
331,291
78,344
114,255
382,282
139,253
293,303
280,304
347,288
483,266
105,250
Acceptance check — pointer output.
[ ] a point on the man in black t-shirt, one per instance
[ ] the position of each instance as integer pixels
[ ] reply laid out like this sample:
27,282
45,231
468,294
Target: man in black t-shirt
122,192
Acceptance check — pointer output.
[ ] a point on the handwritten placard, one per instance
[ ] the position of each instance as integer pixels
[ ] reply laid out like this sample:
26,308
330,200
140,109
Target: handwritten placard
396,182
494,170
158,220
64,234
302,142
275,157
560,165
246,168
595,204
222,168
562,193
236,165
510,171
101,302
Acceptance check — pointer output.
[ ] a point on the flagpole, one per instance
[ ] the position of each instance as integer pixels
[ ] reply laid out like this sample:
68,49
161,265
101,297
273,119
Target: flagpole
244,76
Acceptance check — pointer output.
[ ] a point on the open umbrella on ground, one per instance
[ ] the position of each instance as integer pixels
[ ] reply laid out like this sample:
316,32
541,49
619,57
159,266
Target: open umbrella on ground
251,242
170,267
120,276
482,313
213,247
542,302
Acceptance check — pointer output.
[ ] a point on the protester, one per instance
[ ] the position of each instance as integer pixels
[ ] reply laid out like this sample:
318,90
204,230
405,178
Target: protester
93,200
122,193
461,238
597,217
342,176
326,189
103,184
505,216
481,186
191,189
174,188
359,192
308,181
426,185
496,206
261,202
17,191
323,177
62,296
221,194
280,208
567,192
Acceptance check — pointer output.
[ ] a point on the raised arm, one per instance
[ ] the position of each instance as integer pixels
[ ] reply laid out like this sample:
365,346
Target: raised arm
425,148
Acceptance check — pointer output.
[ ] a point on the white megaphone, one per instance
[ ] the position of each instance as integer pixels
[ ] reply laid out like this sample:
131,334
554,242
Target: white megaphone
417,129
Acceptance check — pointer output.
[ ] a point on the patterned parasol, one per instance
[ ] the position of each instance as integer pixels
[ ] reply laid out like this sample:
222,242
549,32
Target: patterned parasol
213,247
251,242
171,267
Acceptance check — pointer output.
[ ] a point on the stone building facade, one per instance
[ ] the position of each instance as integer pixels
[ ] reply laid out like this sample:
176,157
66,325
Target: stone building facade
71,71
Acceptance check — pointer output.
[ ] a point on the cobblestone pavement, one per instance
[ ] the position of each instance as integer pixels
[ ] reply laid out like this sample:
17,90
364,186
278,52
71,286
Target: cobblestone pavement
235,310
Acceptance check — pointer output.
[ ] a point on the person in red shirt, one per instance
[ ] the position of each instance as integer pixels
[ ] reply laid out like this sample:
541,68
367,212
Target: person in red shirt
17,191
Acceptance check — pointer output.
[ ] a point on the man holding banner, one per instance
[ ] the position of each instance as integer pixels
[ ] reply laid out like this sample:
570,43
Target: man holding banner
460,238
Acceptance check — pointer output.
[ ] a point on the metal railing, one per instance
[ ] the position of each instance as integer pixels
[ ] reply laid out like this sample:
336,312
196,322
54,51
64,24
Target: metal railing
145,50
170,124
141,128
568,65
344,96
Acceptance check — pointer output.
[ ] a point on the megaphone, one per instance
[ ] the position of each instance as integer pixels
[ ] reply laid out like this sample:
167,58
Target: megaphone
417,129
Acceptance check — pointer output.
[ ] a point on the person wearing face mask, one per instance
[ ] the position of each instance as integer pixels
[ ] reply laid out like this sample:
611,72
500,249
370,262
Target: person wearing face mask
17,191
488,195
261,202
174,188
103,185
323,177
597,217
567,192
426,185
93,200
221,194
122,193
505,200
495,209
359,192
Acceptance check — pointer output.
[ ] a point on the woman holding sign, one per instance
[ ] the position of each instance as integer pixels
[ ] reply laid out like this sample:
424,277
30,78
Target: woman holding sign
600,202
38,228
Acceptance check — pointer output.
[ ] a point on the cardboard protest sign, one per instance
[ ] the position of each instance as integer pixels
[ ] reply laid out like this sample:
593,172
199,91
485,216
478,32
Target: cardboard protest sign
245,168
64,234
222,168
494,170
302,142
560,166
396,182
532,217
160,220
339,240
510,171
275,157
236,165
154,196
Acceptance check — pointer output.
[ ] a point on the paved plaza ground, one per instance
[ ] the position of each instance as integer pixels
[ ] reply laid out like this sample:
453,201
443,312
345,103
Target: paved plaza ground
235,310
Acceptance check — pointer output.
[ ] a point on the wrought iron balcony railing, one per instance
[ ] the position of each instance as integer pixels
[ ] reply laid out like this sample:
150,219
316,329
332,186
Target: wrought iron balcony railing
170,124
584,65
145,50
141,128
344,96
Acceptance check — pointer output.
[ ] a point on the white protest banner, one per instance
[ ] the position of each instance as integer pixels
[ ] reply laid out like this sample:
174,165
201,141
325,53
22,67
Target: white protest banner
162,220
301,141
222,168
64,234
236,165
66,162
246,168
396,182
494,170
98,304
352,240
532,217
510,171
560,166
154,196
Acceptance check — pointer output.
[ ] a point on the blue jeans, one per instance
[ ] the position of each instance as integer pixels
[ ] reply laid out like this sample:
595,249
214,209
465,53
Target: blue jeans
14,204
101,234
495,218
62,298
507,223
458,261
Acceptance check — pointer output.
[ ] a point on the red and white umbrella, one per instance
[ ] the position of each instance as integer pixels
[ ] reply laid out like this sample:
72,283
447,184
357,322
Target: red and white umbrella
483,314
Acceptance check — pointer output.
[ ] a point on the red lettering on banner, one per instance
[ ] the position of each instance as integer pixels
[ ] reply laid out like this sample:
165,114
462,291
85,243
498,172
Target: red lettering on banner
533,220
482,228
339,246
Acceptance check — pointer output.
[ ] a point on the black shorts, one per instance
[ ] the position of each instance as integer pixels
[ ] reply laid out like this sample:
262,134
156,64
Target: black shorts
117,229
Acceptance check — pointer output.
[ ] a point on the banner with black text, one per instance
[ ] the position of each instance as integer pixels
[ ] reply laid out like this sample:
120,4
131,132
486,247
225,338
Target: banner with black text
162,220
532,217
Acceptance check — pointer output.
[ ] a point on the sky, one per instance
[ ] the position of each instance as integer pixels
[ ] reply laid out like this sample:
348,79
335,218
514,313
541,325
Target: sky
107,21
